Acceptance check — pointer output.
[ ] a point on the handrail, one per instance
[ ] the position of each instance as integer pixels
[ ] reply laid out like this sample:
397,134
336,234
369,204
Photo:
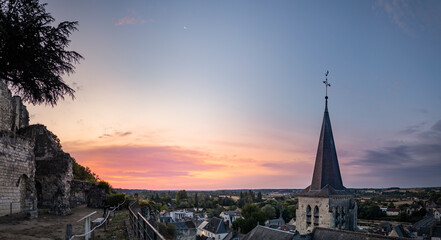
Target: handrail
143,229
87,232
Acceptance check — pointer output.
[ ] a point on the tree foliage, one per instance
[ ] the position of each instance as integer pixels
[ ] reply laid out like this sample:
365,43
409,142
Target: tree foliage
181,196
115,199
33,55
167,230
252,215
83,173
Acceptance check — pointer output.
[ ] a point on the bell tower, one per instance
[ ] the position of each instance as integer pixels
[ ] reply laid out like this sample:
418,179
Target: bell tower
326,202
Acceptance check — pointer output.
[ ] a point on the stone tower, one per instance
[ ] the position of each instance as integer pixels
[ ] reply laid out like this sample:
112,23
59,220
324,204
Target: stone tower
326,202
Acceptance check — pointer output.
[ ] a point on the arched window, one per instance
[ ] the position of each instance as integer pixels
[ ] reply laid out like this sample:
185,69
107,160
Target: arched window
316,216
308,216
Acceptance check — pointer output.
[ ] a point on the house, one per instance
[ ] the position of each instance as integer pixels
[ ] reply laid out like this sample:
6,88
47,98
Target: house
230,216
164,213
266,233
215,229
275,223
399,231
185,230
424,227
234,236
437,214
392,211
385,228
180,215
415,207
166,219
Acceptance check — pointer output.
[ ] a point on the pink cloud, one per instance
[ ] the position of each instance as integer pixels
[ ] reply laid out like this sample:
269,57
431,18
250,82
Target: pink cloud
132,19
125,166
126,20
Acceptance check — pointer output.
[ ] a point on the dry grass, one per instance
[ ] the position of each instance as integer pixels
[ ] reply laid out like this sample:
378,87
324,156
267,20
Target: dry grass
116,228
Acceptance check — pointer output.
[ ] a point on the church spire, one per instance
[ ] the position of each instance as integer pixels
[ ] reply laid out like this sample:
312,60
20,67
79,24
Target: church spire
326,169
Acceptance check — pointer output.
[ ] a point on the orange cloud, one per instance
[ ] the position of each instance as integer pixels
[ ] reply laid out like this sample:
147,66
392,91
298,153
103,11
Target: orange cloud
122,165
171,167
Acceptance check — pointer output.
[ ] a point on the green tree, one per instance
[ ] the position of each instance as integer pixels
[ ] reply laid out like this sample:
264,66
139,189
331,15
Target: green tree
83,173
167,230
259,197
181,195
252,215
196,200
289,212
269,211
33,55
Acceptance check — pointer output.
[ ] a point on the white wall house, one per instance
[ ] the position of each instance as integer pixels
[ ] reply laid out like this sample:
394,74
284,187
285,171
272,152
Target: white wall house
180,215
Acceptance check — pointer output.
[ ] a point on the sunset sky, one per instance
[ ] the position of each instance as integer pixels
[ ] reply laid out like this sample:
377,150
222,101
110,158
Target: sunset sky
203,95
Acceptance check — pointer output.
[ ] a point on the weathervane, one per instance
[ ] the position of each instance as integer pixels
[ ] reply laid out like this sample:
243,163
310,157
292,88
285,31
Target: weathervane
327,84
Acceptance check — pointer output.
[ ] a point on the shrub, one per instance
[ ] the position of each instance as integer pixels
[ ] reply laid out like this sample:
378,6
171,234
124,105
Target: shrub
105,185
115,199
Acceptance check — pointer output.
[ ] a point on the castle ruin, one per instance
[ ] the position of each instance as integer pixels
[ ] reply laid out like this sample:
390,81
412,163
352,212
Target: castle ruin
34,171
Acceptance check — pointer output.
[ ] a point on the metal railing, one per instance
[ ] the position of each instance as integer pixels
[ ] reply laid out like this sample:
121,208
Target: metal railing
87,230
142,228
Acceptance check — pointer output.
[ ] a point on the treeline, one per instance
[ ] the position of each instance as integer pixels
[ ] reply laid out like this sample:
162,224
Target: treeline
370,210
254,207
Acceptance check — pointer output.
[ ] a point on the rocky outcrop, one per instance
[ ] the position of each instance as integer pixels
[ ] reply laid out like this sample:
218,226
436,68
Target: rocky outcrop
53,170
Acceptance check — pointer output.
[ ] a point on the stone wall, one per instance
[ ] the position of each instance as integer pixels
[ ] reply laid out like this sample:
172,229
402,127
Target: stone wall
14,114
5,107
82,192
33,167
53,170
336,212
17,173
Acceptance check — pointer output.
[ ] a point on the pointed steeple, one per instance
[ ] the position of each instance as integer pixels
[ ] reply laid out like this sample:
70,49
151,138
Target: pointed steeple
326,169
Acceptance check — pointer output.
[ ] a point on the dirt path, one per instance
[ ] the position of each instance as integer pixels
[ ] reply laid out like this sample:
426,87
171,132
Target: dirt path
46,226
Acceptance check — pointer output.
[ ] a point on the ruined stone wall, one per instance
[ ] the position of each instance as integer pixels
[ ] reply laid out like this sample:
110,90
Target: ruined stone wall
17,173
79,191
5,107
14,114
82,192
53,170
20,114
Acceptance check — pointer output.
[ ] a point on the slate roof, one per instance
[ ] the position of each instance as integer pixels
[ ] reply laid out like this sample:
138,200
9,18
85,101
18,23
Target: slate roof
266,233
326,179
216,226
276,222
232,213
184,225
425,222
327,234
399,230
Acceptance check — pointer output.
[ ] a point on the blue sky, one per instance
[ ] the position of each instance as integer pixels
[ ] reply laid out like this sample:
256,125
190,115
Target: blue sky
243,80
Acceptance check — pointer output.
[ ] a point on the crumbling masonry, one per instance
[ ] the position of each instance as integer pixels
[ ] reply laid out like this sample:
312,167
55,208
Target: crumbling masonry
34,171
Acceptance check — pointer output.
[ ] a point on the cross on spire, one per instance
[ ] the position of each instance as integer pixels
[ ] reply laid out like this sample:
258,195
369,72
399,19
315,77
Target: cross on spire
327,84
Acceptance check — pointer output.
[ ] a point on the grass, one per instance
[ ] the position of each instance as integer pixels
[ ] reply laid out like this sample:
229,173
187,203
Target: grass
116,229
